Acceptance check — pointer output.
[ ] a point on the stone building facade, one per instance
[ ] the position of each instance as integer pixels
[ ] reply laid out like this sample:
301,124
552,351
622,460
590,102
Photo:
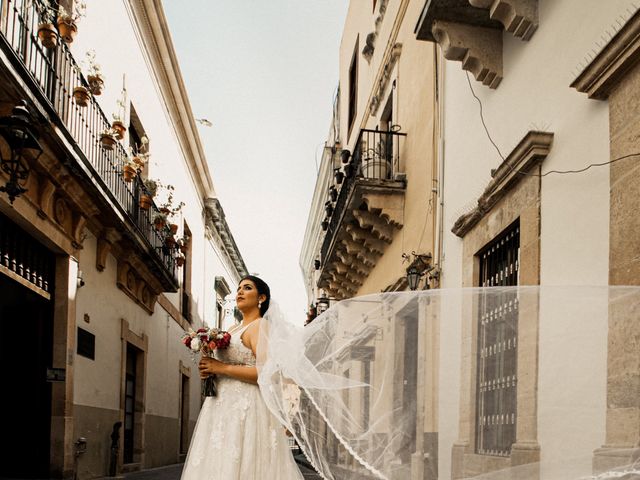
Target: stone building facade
87,269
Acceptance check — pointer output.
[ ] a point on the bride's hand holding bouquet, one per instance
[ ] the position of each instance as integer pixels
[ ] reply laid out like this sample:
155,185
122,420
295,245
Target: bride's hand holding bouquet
206,341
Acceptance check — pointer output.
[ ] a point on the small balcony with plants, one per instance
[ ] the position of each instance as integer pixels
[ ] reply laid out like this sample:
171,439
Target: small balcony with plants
363,211
34,38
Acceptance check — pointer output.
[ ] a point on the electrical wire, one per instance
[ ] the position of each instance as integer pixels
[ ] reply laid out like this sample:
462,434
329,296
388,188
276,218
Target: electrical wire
550,172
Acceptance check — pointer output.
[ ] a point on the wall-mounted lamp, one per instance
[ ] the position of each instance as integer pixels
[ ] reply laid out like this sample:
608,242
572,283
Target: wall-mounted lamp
419,266
322,304
80,279
20,135
345,155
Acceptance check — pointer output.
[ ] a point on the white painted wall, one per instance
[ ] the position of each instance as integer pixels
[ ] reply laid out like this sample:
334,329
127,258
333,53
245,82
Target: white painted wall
535,94
119,50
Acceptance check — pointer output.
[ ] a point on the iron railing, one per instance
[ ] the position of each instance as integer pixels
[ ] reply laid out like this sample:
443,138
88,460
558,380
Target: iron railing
375,157
55,73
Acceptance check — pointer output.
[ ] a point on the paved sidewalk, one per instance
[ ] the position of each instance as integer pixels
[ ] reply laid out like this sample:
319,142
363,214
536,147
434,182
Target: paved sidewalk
172,472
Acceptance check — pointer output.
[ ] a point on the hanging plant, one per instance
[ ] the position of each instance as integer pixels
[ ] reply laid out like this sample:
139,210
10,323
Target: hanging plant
81,96
48,35
333,193
108,140
68,21
118,127
159,221
95,78
180,260
183,243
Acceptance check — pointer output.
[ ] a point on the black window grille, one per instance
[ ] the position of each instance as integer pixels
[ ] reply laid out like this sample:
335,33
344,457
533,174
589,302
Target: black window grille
497,346
22,256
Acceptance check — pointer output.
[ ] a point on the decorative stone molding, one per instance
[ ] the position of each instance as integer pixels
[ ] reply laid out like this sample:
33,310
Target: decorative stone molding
370,42
479,49
519,17
136,287
470,31
380,88
611,65
216,222
531,151
105,242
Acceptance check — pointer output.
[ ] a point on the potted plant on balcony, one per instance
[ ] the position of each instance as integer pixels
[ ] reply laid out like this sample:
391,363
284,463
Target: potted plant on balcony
376,161
325,224
107,139
47,32
159,220
68,21
95,78
118,126
139,153
130,169
333,193
183,243
180,259
81,95
339,175
328,207
149,191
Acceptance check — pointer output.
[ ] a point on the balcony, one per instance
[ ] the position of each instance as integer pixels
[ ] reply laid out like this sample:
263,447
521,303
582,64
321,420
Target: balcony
367,213
48,76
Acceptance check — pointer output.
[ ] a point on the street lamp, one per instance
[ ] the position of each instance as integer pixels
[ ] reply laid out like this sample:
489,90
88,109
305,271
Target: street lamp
322,304
20,136
420,265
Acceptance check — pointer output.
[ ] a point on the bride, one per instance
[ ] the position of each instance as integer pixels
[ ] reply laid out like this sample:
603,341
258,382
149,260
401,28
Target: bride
236,436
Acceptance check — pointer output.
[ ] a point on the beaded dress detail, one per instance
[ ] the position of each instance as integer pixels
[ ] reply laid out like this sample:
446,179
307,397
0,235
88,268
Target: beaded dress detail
236,436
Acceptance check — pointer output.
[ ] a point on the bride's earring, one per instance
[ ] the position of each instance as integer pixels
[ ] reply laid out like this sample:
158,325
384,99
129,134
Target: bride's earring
259,304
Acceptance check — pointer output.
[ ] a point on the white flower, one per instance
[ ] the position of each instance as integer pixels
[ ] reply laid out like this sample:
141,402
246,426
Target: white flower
195,344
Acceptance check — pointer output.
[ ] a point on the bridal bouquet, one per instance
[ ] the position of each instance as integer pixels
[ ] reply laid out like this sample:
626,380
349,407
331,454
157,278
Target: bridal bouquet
205,341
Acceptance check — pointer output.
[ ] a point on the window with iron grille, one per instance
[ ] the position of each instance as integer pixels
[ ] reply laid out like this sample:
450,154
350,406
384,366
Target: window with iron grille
497,346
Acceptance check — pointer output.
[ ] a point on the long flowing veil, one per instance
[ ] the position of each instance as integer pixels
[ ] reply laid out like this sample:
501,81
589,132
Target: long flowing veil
513,382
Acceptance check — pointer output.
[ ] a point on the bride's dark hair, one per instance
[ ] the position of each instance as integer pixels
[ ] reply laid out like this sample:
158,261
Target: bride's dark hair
263,289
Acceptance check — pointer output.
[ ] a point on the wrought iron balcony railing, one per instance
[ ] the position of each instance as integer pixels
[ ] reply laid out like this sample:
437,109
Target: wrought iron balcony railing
375,160
54,73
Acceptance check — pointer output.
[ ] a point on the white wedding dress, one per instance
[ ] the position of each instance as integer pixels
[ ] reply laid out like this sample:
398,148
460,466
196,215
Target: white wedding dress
236,436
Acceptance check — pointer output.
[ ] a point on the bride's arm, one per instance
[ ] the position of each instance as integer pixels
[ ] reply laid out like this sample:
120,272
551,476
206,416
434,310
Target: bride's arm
245,373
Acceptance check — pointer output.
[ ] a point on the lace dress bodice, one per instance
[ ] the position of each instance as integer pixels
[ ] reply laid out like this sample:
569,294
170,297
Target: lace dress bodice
237,353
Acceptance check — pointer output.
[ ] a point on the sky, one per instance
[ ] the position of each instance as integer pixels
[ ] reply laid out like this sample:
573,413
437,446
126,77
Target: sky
264,73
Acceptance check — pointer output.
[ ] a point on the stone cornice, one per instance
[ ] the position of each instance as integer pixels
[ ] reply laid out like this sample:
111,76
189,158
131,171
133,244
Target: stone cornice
531,151
610,66
153,29
216,222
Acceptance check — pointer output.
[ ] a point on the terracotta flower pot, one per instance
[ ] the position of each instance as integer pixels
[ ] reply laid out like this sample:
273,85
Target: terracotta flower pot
145,202
48,35
128,173
184,248
179,261
68,29
96,84
174,228
165,210
107,141
159,223
81,96
170,241
119,128
138,161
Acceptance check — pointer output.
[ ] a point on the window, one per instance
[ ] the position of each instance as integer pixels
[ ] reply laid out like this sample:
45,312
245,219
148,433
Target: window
186,274
497,346
353,87
136,133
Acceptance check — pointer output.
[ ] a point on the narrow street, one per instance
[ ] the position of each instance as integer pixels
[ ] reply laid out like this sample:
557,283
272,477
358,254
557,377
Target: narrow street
172,472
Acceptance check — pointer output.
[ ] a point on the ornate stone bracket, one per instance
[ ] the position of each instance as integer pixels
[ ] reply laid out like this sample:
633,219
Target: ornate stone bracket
470,31
479,49
370,42
519,17
532,150
131,282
